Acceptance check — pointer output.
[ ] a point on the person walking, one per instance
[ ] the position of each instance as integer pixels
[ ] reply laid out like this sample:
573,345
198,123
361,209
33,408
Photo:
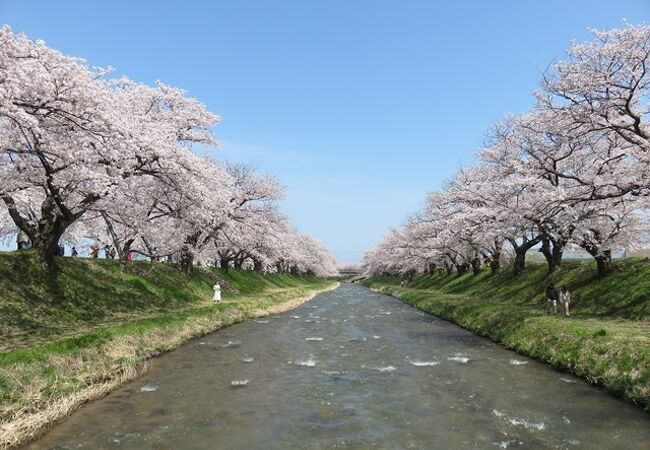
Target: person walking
217,293
74,252
551,297
565,299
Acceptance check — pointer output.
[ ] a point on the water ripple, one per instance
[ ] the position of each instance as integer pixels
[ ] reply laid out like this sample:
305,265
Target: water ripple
459,358
418,363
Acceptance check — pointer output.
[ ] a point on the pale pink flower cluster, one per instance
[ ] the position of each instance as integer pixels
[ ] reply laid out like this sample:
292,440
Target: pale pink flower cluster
86,159
573,173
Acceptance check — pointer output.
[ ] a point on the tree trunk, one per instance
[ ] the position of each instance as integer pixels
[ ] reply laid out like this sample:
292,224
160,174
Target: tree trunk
187,253
495,263
47,244
476,266
462,268
604,263
520,261
46,234
495,256
520,252
186,259
116,242
124,251
552,251
224,263
603,258
257,265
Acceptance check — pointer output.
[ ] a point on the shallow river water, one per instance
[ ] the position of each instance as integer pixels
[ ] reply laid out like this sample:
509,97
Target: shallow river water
351,369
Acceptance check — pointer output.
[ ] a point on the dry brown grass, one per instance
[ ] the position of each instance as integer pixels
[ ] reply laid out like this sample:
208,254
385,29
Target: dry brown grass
28,426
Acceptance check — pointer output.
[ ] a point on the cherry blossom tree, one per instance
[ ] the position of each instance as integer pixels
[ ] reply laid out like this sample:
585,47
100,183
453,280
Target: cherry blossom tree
71,138
600,93
86,158
573,172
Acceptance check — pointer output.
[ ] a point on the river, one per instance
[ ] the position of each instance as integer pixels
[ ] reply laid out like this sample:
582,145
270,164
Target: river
352,369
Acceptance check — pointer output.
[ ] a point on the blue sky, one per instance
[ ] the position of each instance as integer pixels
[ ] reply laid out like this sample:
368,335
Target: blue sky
359,107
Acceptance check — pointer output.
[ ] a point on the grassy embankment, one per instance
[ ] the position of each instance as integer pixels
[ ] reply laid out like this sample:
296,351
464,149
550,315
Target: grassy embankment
606,340
64,343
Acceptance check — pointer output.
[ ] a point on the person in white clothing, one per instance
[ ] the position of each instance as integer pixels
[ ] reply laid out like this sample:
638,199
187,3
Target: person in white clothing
565,299
217,293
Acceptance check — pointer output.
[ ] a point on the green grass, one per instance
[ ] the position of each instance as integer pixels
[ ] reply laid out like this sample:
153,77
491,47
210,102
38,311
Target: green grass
87,290
94,292
606,340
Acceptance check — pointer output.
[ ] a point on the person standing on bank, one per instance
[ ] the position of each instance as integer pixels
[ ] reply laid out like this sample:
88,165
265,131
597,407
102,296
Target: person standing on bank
552,297
565,299
217,293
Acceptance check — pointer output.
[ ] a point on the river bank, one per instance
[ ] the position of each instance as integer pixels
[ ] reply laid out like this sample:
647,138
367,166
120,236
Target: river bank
75,340
350,369
606,340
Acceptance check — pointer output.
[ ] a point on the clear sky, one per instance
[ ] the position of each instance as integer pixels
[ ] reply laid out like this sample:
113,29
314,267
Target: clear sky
359,107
